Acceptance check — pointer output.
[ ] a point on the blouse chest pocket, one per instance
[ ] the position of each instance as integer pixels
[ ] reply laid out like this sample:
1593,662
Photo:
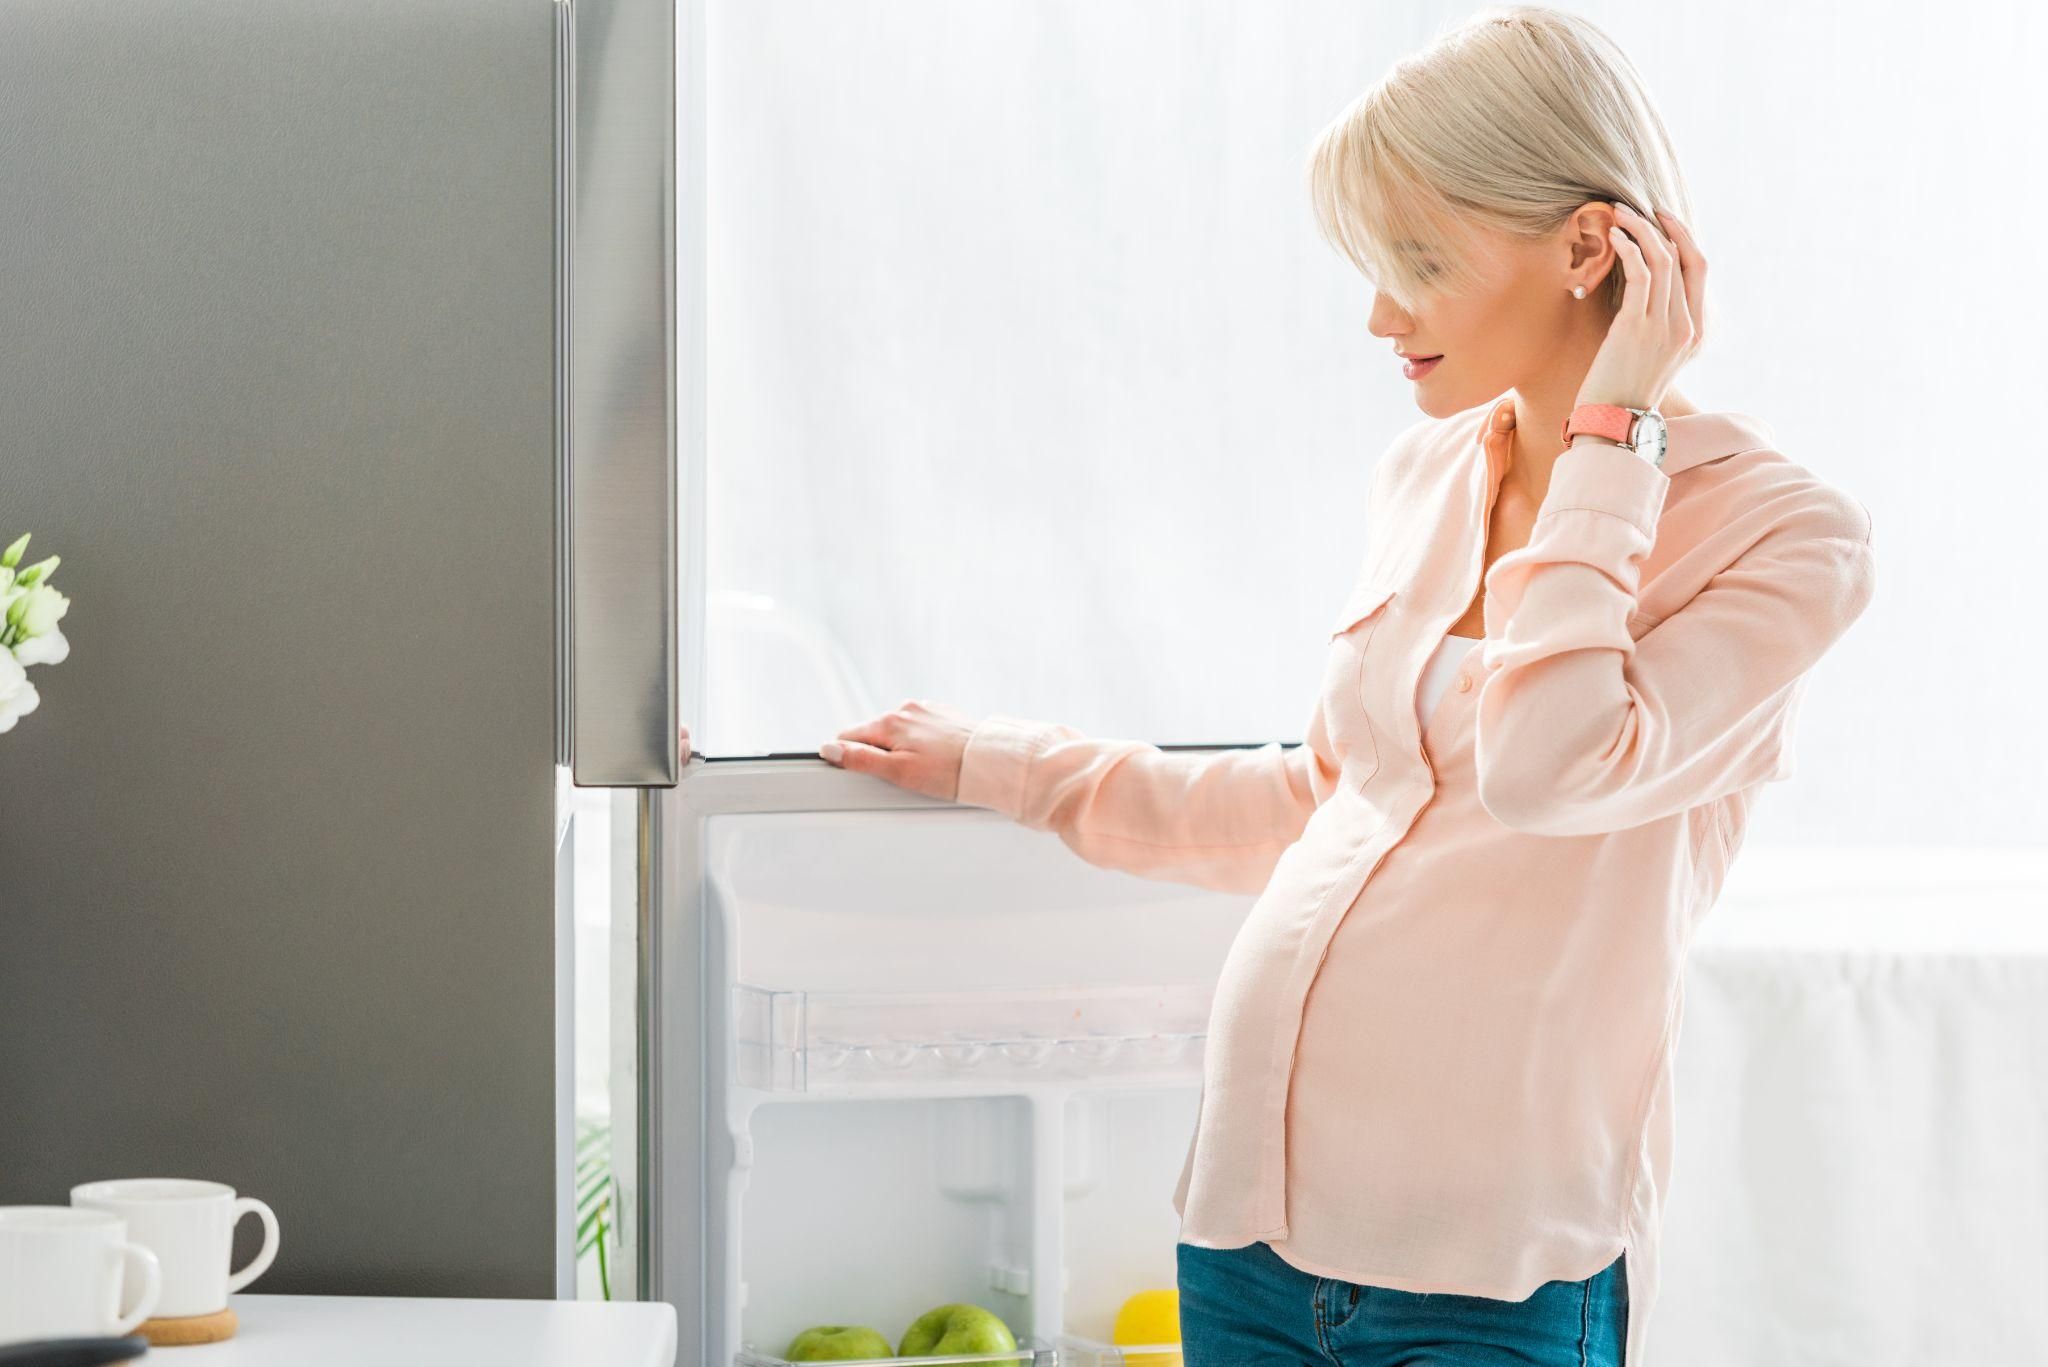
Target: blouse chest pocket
1345,695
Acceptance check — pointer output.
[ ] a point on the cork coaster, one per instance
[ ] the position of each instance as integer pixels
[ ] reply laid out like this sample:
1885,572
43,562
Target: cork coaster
176,1333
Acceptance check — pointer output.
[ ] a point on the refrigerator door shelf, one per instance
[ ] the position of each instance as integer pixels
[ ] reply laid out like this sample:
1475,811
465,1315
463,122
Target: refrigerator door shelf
793,1040
1031,1352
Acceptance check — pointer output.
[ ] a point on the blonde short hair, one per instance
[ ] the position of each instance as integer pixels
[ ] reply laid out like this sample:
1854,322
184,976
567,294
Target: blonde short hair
1511,120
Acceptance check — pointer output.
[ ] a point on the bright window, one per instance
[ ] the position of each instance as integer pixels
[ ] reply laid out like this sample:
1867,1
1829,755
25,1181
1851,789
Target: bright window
1033,389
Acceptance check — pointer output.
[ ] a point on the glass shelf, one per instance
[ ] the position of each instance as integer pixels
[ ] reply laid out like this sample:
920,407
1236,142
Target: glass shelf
1068,1350
1075,1351
1031,1352
793,1040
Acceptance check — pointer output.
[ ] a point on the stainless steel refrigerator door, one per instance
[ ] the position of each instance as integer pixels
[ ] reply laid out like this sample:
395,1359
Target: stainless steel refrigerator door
620,689
279,384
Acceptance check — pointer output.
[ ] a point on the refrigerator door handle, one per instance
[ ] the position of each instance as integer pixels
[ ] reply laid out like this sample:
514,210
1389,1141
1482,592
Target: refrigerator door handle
616,639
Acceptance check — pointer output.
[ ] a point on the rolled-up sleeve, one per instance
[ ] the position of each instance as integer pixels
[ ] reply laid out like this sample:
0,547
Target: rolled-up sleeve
1214,819
1580,728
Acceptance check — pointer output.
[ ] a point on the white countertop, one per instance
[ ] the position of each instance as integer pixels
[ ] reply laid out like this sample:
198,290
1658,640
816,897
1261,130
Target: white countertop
428,1331
1899,900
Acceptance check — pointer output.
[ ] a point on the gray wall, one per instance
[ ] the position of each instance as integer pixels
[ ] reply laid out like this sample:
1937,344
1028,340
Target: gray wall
275,852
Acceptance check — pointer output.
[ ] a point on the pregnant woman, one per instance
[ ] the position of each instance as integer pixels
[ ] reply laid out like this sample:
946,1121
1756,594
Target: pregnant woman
1436,1114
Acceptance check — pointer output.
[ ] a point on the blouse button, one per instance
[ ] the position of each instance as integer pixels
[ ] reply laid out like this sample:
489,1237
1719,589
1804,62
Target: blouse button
1464,683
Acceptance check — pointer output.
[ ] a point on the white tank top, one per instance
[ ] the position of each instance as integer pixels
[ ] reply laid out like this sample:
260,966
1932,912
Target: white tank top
1444,663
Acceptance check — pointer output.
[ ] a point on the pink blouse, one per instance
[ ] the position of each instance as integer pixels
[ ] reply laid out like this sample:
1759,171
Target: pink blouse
1440,1052
1447,660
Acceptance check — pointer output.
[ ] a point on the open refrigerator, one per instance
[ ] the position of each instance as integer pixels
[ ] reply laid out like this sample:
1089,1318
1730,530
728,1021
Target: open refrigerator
906,1054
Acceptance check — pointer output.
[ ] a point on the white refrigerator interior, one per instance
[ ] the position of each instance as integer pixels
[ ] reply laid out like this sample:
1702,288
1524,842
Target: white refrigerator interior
967,1073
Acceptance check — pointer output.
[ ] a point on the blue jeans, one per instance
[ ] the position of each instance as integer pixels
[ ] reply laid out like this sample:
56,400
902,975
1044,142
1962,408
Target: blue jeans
1248,1307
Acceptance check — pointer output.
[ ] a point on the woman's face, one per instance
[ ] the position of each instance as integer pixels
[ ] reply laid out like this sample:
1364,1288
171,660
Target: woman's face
1521,329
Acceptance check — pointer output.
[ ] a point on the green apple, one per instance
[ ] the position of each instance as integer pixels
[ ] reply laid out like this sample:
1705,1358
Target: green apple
837,1343
958,1329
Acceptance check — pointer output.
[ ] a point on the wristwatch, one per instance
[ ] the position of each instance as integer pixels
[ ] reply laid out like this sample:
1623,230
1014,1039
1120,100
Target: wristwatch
1641,430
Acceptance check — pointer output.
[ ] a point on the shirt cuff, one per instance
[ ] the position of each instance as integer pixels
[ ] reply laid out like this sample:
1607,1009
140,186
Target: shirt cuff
1608,479
997,761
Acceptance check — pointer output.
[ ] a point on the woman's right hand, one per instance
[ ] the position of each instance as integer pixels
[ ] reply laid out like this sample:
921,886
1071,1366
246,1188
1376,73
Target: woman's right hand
917,746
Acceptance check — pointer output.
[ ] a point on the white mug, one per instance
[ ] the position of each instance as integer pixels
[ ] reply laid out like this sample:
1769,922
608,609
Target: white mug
190,1226
62,1272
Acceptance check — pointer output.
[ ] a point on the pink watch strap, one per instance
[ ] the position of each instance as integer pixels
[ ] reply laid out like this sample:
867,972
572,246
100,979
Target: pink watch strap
1608,420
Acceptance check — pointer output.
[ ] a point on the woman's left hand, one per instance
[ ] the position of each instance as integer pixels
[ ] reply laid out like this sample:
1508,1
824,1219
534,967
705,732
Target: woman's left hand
1654,334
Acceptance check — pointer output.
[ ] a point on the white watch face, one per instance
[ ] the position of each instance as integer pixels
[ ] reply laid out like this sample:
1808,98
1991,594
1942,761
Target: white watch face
1647,436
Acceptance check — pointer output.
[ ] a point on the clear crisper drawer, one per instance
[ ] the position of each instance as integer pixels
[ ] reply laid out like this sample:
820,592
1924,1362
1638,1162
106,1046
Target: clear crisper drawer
802,1041
1031,1352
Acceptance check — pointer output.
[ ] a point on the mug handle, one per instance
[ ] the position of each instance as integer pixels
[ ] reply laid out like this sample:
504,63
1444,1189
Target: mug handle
135,1255
259,1264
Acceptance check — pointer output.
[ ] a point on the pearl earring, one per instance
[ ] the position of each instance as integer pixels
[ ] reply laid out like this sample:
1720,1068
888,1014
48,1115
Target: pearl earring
1578,291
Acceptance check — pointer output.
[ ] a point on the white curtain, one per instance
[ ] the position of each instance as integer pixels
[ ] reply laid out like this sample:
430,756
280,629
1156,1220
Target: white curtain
1862,1107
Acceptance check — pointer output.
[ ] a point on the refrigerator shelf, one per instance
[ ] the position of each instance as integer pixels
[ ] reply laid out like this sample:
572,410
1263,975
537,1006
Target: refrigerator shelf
1066,1350
1076,1351
795,1040
1031,1352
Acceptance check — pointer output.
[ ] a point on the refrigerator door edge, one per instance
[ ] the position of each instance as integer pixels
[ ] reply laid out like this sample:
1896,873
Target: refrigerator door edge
617,519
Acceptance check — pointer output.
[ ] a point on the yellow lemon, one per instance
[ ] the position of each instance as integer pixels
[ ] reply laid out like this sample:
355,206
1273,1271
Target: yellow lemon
1151,1318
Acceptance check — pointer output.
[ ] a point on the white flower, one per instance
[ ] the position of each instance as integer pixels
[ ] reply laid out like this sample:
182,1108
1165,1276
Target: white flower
38,610
50,648
18,697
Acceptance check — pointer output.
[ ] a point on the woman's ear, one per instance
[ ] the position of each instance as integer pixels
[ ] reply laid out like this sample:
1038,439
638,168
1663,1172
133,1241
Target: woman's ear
1586,237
